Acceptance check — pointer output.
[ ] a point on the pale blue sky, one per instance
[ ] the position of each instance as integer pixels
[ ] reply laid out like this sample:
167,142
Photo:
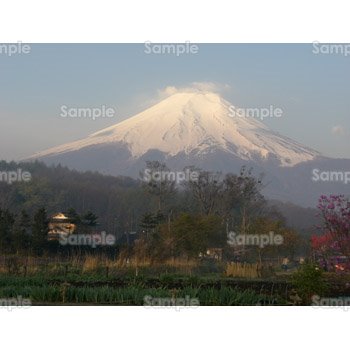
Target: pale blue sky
313,90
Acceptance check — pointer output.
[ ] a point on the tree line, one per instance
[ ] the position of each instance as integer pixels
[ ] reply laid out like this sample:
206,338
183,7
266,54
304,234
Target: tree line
172,219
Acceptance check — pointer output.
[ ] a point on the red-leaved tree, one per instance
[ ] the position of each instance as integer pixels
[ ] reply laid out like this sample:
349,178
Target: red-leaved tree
335,240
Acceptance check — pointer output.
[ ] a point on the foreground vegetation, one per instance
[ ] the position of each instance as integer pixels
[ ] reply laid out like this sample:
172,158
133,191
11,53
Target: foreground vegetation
180,245
57,293
103,282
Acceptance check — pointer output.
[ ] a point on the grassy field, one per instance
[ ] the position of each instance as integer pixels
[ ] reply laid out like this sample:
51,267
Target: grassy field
98,290
98,281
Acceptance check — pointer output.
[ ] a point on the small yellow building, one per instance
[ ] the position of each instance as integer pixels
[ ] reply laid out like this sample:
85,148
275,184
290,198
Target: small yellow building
60,225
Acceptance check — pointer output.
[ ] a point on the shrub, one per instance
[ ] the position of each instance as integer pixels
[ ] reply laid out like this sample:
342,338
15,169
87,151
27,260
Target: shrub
309,280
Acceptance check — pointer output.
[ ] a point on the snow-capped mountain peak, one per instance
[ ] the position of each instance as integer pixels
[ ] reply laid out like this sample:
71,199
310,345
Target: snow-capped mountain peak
194,122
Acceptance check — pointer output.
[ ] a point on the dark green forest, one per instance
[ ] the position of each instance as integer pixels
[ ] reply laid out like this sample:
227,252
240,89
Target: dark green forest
162,212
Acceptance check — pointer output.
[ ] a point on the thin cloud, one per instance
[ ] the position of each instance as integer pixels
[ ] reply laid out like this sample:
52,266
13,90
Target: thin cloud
193,87
338,130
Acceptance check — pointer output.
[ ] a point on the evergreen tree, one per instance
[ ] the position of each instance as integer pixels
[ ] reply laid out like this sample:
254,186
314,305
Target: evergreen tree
6,231
22,237
40,231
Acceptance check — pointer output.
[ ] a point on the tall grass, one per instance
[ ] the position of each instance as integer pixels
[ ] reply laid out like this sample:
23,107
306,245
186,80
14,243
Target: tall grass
89,264
242,270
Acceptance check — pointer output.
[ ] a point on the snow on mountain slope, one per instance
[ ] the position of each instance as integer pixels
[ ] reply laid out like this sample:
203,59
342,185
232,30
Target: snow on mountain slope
196,122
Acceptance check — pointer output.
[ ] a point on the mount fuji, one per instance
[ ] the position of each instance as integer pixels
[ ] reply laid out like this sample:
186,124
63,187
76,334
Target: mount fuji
196,128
